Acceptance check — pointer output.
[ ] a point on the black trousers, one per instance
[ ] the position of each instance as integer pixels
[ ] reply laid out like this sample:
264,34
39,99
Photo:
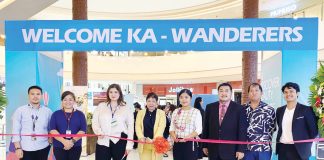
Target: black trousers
185,151
36,155
288,152
73,154
114,151
218,158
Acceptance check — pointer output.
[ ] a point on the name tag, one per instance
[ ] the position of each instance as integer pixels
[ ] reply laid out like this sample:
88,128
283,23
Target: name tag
33,138
68,132
113,122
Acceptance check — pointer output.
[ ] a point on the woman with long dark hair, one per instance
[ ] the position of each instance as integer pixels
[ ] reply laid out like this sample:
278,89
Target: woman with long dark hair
113,118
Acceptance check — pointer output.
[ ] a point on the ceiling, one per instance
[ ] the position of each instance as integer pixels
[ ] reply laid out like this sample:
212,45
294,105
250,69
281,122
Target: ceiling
139,9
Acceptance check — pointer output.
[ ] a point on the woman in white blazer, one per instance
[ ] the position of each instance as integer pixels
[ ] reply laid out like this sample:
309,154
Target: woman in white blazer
113,118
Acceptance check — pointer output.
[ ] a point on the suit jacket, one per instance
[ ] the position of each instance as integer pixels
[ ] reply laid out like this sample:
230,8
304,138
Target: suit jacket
233,127
303,127
159,126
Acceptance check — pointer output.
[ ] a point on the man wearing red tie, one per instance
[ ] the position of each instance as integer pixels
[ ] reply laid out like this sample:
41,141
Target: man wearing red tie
225,120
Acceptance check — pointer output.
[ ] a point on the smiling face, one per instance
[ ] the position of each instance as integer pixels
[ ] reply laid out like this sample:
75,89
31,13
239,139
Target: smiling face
68,102
290,94
185,99
224,94
151,104
34,96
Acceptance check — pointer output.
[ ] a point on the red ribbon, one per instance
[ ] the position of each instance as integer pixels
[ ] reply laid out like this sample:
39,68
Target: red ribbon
137,141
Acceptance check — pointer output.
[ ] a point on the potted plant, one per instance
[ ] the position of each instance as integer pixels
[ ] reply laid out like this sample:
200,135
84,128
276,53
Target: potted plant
316,100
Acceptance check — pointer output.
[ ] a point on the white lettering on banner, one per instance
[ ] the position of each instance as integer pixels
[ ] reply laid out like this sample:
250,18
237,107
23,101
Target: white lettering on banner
67,35
178,89
182,35
47,35
148,35
115,34
243,34
57,37
228,32
31,35
179,35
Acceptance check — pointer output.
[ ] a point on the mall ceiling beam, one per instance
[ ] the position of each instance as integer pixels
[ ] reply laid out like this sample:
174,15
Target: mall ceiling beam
249,58
22,10
80,58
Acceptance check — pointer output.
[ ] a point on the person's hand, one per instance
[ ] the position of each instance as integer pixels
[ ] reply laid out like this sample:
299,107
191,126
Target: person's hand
127,152
142,140
68,144
149,140
205,150
50,140
185,138
239,155
101,136
174,139
19,153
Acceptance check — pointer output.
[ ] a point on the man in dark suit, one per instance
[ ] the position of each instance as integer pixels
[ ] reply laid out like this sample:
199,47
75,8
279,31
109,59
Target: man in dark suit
295,122
225,120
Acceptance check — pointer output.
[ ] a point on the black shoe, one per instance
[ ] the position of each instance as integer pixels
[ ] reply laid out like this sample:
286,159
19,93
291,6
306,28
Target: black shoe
165,155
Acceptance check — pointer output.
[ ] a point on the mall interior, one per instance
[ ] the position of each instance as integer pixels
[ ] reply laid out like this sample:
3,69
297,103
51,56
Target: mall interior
165,72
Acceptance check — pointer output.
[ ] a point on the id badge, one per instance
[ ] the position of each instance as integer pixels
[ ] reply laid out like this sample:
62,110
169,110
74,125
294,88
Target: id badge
68,132
33,138
113,122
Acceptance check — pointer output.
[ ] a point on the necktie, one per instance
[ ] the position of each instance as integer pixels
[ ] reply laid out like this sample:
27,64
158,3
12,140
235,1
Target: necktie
222,114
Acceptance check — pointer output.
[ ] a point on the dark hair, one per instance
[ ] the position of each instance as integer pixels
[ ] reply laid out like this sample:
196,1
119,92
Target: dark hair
152,95
137,105
225,84
35,87
66,93
253,85
120,100
290,85
197,103
185,91
162,107
172,107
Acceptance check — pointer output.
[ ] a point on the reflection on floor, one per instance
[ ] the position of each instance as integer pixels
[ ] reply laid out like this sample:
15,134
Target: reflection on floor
132,156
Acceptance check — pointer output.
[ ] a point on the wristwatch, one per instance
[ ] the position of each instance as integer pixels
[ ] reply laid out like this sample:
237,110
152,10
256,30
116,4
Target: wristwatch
18,148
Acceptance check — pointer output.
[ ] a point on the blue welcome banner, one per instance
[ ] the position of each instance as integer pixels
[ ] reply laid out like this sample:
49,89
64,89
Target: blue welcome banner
160,35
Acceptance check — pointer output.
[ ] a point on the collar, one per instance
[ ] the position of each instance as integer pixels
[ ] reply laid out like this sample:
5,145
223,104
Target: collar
32,107
261,105
226,103
147,111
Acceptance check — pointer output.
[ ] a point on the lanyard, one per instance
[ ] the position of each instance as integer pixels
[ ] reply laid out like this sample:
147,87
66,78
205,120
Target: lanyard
112,112
34,117
68,118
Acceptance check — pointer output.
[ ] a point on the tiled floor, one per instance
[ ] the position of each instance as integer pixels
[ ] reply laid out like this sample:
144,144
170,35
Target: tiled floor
132,156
